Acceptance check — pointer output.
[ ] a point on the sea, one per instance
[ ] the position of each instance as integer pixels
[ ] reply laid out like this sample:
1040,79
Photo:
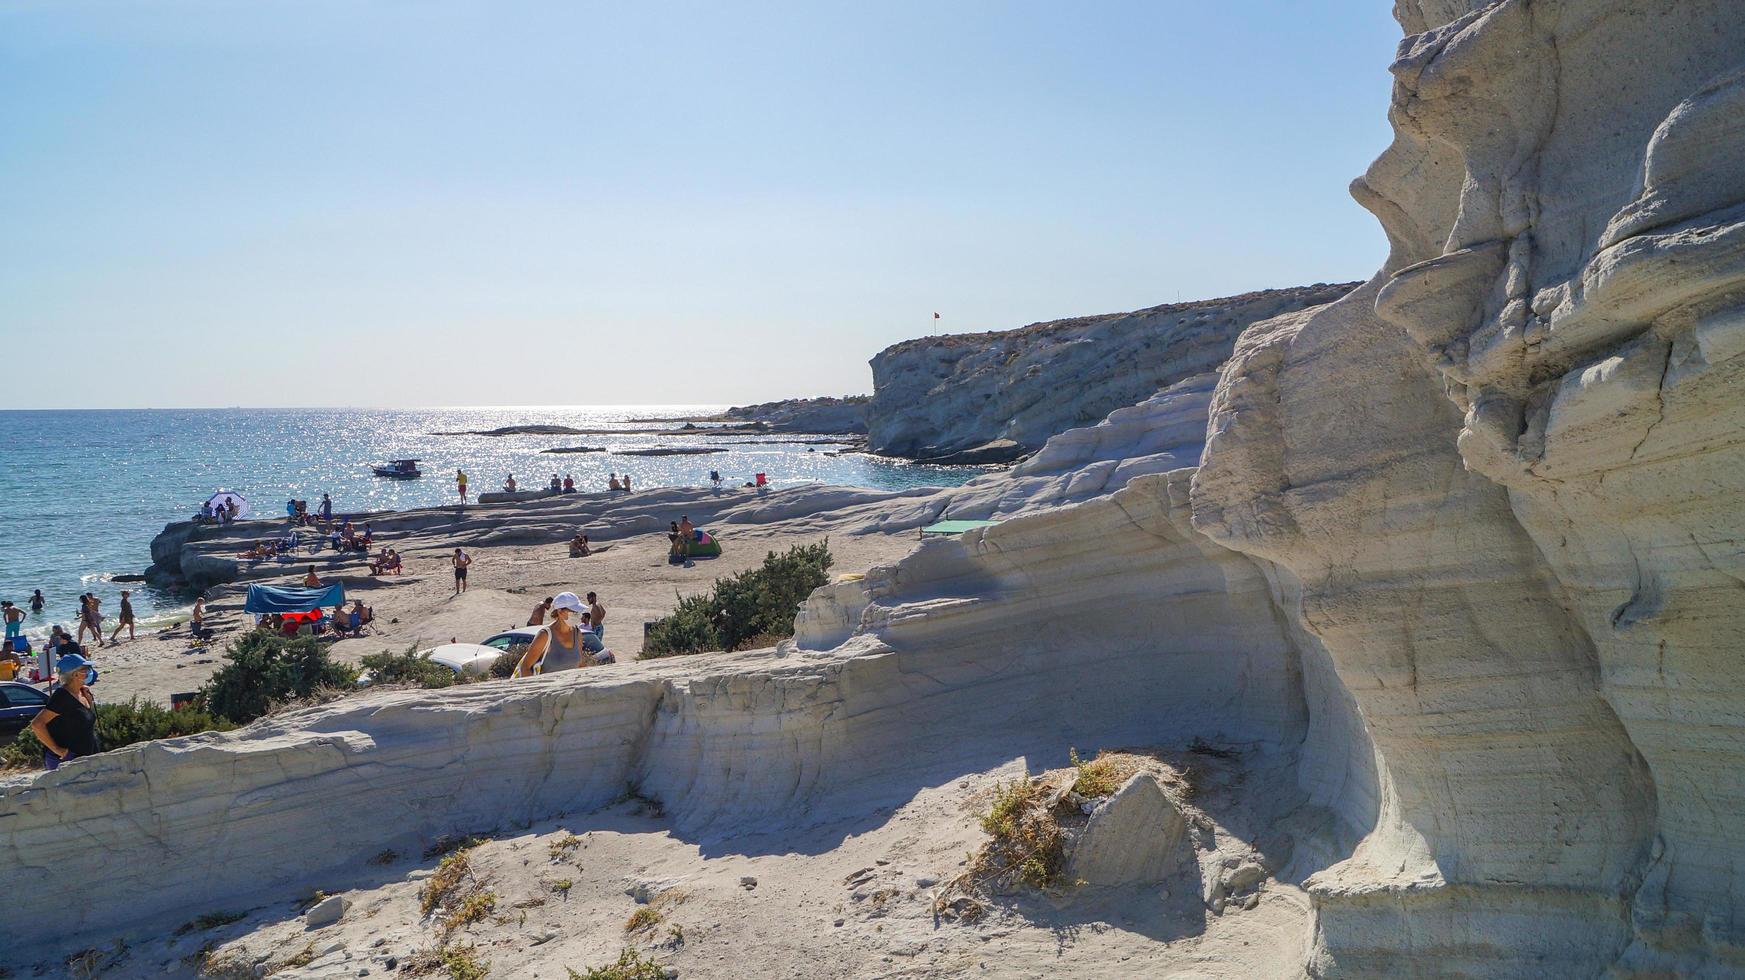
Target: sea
83,492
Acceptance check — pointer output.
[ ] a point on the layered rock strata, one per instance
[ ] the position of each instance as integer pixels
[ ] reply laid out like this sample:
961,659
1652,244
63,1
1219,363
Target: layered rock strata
998,396
1506,477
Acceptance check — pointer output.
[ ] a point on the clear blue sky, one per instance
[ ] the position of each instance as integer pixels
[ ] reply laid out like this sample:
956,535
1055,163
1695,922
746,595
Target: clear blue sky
493,203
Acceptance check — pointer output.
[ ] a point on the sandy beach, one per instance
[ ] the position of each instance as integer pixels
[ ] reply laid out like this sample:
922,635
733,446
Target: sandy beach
419,608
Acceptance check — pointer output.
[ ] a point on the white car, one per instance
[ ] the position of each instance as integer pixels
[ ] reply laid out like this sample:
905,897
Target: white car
470,659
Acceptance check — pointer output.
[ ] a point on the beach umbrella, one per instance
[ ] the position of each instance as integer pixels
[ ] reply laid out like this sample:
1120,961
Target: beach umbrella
223,498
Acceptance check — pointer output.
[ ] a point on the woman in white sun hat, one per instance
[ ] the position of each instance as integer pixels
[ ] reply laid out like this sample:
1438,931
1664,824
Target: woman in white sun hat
559,645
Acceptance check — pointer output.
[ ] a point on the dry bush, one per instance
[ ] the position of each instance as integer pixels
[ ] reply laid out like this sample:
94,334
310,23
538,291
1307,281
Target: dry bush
1026,845
629,966
643,918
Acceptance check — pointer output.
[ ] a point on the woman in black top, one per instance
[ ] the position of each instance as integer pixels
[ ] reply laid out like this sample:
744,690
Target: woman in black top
67,727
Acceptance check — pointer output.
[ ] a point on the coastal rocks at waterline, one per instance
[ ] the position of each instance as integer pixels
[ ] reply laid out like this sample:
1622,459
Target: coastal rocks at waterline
996,397
837,416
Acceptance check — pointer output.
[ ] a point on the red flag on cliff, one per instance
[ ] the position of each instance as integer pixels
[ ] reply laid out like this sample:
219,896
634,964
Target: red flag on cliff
935,316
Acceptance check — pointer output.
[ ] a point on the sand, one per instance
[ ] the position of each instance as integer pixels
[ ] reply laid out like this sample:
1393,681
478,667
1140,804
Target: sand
420,608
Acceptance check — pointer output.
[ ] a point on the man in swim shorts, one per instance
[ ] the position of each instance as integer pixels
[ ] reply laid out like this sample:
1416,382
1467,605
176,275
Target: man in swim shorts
460,483
14,618
461,561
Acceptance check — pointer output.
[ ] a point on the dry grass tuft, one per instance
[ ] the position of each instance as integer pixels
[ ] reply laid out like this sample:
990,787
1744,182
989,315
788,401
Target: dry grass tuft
629,966
563,847
1026,845
210,920
469,910
1103,775
304,958
459,962
643,918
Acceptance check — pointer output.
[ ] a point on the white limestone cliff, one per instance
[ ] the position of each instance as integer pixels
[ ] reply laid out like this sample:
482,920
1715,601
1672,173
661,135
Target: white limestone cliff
995,397
1464,548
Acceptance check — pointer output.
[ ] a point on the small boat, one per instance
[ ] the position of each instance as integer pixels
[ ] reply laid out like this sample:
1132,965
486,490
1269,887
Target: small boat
400,469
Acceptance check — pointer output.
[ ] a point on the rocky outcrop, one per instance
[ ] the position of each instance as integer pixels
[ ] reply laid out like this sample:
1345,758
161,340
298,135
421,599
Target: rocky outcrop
1137,835
1464,548
1505,478
810,415
996,397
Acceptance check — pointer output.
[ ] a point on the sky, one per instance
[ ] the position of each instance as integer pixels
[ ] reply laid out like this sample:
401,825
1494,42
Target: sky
424,203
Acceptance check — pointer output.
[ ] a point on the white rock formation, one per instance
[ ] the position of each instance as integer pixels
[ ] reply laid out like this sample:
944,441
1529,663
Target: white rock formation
1138,835
1465,547
1516,599
994,397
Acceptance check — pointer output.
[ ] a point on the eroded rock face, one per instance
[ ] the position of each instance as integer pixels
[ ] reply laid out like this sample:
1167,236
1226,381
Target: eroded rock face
1600,373
995,397
1507,474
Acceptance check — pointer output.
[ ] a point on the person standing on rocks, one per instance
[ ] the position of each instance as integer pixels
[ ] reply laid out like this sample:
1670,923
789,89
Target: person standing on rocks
125,618
460,483
326,509
558,646
67,725
539,611
462,561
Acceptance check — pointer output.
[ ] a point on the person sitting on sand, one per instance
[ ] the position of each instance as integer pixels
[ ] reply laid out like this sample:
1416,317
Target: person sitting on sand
613,484
537,618
206,511
387,561
569,483
579,546
626,483
558,646
311,580
509,484
556,484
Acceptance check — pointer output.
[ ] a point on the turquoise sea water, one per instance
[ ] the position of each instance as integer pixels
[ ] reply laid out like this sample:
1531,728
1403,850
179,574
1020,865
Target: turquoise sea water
84,492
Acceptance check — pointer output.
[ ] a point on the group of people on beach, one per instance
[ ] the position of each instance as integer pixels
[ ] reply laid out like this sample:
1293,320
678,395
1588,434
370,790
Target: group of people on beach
564,484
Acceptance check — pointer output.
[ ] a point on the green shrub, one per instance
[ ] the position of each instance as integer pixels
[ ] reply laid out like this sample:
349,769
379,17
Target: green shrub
407,668
757,604
266,669
119,724
630,966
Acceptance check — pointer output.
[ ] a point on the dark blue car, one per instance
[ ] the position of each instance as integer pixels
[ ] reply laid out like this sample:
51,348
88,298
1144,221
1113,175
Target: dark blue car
18,704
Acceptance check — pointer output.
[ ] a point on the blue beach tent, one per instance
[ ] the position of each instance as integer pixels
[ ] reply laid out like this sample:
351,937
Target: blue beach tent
264,600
